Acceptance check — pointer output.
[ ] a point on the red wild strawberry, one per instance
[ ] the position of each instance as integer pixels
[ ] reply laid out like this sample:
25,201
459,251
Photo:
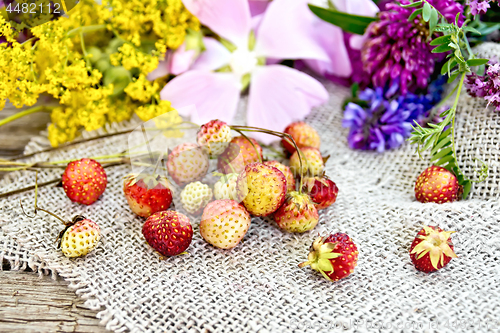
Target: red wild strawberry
436,184
84,181
303,134
224,223
334,256
322,190
168,232
432,249
147,194
240,153
297,214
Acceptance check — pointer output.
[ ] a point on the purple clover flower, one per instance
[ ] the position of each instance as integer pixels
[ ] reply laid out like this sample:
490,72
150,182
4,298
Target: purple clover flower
397,49
486,86
478,6
382,120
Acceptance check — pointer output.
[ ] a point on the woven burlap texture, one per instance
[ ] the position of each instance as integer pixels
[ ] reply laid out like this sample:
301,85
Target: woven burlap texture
257,287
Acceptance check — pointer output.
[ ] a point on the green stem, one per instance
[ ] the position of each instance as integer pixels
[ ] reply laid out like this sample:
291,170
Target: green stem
89,28
436,107
25,113
454,110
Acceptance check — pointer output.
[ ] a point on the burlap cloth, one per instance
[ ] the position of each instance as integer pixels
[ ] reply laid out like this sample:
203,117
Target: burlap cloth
257,287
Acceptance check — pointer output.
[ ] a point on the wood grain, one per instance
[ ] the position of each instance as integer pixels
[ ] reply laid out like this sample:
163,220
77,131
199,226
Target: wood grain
15,135
29,303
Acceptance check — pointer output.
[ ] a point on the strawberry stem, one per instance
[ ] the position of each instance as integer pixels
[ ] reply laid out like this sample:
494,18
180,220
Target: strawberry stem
285,136
251,142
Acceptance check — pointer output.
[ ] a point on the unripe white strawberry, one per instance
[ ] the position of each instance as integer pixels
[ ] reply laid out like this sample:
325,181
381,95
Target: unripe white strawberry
290,179
312,162
262,188
225,187
80,238
297,214
214,137
224,223
187,163
195,196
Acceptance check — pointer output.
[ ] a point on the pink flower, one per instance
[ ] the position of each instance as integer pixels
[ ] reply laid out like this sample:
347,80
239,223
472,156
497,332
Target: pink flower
278,94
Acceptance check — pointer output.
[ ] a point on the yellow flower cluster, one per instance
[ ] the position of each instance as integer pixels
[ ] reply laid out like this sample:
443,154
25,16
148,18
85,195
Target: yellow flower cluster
76,59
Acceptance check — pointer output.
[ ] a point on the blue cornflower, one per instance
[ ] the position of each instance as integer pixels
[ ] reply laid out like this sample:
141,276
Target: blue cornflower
383,120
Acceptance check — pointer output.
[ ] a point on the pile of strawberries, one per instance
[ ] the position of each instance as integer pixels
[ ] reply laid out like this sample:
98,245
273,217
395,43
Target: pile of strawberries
290,191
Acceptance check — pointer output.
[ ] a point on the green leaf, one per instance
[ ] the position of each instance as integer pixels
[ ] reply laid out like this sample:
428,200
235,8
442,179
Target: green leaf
445,160
442,48
448,66
412,5
354,89
441,40
441,143
445,134
453,77
433,21
350,23
471,29
427,12
415,14
467,187
477,62
442,153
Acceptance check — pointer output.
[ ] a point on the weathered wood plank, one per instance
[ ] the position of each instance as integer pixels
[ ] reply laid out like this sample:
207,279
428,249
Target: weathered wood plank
15,135
29,303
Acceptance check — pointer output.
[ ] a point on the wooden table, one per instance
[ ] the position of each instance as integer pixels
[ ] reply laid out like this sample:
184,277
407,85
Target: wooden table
29,303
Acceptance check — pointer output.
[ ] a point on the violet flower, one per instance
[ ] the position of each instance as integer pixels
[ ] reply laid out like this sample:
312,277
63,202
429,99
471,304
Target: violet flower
487,86
397,49
383,119
478,6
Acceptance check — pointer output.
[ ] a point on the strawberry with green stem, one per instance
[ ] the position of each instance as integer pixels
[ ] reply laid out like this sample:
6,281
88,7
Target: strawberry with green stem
80,235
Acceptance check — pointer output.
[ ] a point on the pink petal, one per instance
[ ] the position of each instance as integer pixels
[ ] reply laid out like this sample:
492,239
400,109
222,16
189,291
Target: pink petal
182,60
280,95
289,30
361,7
214,57
331,39
257,7
230,19
215,95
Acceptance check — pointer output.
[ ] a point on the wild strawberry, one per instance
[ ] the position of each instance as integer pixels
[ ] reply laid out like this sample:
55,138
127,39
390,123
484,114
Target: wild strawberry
187,163
303,134
240,153
84,181
225,187
147,194
312,162
168,232
297,214
224,223
195,196
290,179
334,256
432,249
79,237
262,187
322,190
436,184
214,137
